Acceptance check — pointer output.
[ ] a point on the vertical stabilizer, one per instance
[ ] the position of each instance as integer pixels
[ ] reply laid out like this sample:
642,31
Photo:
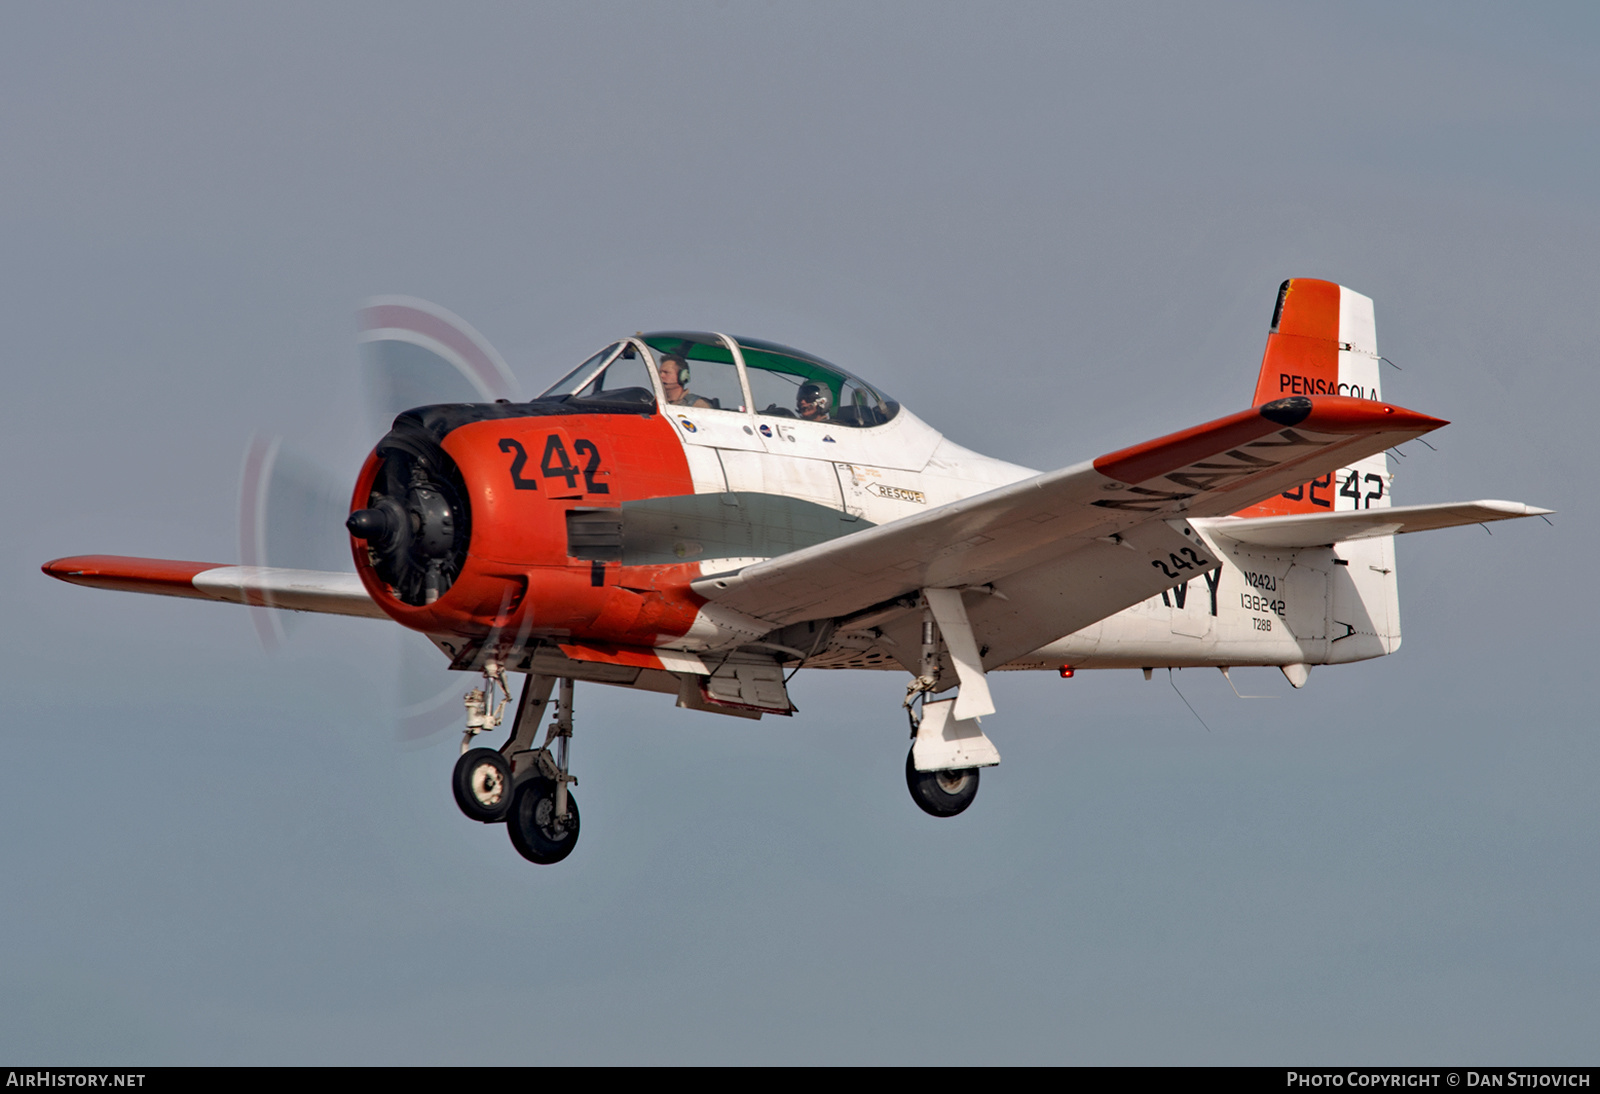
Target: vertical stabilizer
1323,342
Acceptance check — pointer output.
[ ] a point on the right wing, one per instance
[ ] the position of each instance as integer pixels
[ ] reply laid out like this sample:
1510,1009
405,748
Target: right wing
265,586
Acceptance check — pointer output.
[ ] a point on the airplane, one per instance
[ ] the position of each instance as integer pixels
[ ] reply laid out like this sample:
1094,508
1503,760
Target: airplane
701,516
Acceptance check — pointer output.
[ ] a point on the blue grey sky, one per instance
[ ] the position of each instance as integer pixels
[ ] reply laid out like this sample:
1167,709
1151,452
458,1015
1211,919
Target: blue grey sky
1050,230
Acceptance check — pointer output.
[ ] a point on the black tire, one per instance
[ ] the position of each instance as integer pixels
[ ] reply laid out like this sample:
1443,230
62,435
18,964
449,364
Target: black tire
531,823
482,785
941,793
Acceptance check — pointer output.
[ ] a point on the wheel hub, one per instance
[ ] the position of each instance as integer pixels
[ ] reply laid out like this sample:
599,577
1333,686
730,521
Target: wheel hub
544,815
488,786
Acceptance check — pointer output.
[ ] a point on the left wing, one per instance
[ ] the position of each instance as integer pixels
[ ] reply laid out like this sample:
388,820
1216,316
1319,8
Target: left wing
1067,548
265,586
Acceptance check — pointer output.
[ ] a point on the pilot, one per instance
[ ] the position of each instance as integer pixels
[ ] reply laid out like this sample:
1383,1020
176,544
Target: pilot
674,373
813,401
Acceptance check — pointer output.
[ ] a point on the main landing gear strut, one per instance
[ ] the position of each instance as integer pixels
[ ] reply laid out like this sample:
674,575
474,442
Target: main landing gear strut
947,746
525,787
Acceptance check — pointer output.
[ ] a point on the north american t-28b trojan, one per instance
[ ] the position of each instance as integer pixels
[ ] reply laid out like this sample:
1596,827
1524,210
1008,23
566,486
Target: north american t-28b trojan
701,515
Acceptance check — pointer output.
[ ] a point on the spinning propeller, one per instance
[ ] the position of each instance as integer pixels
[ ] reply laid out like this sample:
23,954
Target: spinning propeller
293,511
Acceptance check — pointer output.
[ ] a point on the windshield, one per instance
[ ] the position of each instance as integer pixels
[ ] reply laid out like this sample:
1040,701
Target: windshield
570,382
626,378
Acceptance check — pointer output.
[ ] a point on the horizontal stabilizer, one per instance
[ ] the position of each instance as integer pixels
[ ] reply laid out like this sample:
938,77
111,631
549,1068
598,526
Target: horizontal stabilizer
263,586
1317,529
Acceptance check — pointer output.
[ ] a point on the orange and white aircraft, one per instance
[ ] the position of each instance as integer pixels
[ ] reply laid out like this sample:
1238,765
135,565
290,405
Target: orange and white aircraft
701,515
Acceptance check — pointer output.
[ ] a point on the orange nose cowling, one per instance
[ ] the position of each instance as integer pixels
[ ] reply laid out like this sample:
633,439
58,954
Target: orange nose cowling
521,478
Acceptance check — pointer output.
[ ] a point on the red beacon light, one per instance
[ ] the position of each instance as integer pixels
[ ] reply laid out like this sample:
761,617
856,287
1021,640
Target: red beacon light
1066,672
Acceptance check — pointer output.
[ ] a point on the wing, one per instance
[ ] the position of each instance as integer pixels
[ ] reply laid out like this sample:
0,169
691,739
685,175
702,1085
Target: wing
1317,529
1067,548
294,590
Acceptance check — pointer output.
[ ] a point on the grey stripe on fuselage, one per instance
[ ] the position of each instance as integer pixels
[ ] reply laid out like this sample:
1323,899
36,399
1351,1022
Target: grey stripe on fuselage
742,525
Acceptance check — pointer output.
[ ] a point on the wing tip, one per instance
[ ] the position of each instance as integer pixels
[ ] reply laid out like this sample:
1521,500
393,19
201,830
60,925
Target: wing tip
123,572
1345,414
1513,508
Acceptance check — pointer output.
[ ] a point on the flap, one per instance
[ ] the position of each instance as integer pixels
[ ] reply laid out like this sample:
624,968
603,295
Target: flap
610,653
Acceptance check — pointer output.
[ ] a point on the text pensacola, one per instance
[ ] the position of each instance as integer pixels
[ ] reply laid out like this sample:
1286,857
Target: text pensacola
74,1078
1522,1079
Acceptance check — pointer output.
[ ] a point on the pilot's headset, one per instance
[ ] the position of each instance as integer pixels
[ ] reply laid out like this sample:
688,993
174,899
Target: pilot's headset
682,358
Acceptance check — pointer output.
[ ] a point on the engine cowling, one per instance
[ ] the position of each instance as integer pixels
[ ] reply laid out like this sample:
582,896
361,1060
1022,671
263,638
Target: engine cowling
463,523
418,521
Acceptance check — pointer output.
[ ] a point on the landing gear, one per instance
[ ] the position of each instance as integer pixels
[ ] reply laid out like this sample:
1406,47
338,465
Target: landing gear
481,781
537,832
482,785
524,786
543,822
941,793
946,749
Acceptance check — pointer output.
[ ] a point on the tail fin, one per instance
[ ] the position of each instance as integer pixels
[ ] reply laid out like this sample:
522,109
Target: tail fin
1323,342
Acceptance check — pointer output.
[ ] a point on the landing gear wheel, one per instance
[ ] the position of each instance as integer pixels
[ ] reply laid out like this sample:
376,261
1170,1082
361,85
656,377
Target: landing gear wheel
533,827
482,785
941,793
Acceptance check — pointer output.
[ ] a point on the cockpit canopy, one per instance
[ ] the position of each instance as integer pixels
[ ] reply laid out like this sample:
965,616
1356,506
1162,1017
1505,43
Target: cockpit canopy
716,372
